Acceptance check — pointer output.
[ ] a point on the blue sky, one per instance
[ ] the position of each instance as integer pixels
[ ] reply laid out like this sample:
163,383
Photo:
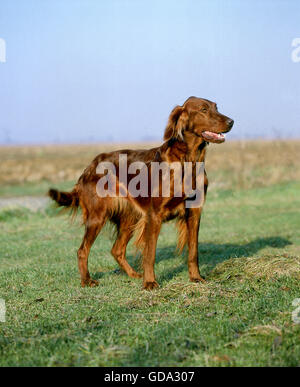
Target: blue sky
112,70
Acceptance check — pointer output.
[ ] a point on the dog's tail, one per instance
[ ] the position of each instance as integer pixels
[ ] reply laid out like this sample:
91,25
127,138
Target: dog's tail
65,199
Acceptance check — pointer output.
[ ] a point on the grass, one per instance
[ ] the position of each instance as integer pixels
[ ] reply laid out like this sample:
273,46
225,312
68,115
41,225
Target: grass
249,253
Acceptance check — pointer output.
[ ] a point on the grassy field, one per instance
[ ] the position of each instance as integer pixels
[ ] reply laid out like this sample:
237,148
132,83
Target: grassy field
249,253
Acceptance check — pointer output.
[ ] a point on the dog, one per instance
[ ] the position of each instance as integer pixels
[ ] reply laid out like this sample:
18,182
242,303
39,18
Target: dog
189,129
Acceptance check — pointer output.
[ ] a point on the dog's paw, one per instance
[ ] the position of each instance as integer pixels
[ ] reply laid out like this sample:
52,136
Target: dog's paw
89,283
198,279
150,285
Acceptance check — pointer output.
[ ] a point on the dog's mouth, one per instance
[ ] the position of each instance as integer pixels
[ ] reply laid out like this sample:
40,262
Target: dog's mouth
213,137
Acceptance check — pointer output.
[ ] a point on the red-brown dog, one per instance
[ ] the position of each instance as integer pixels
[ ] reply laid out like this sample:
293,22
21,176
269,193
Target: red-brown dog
189,129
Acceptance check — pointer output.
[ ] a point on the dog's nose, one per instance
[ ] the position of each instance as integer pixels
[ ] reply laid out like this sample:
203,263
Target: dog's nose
230,123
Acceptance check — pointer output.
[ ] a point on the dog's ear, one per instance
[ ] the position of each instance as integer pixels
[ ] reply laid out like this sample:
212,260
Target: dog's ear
178,121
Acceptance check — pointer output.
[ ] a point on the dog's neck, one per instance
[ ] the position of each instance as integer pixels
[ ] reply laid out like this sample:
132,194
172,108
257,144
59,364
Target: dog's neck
196,147
192,148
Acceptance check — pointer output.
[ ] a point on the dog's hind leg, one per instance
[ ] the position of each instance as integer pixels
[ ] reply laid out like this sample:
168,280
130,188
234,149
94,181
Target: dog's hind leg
119,249
92,229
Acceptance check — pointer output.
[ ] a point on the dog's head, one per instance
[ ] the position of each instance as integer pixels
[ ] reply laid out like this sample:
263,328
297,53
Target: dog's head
199,117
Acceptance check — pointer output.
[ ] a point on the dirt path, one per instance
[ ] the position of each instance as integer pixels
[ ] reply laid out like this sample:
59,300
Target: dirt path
33,203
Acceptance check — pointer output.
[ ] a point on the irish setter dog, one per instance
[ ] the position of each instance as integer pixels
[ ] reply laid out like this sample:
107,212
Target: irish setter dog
189,129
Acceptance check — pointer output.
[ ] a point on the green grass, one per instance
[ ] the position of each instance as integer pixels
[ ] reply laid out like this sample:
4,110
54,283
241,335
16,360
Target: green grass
39,188
249,252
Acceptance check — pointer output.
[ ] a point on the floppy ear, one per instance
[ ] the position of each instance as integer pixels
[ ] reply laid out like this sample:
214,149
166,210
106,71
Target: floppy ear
178,121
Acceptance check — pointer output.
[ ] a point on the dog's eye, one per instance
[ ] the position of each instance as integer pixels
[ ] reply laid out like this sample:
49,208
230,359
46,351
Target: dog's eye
204,110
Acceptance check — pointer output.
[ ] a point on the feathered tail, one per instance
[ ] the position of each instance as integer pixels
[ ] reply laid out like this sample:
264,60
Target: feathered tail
65,199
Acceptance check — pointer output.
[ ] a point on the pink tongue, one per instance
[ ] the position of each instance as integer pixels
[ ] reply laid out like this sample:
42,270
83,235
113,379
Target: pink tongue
217,137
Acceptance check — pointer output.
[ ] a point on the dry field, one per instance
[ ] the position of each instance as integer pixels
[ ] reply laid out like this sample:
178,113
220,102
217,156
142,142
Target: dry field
235,164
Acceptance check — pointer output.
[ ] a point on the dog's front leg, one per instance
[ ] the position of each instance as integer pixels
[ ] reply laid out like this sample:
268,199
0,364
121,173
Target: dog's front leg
151,233
193,224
